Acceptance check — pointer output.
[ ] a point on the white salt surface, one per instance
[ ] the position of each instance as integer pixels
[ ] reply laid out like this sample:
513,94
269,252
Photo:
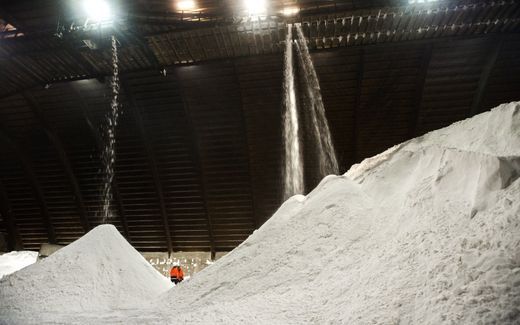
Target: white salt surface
97,273
14,261
426,233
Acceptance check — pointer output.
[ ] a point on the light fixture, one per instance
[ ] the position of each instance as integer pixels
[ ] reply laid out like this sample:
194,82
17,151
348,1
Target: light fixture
185,5
290,11
255,7
414,2
97,10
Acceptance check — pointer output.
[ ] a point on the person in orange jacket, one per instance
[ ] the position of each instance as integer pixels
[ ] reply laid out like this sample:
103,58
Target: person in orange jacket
176,274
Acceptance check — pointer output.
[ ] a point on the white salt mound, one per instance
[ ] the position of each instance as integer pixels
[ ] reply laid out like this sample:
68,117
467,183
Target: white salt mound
14,261
428,232
100,271
425,233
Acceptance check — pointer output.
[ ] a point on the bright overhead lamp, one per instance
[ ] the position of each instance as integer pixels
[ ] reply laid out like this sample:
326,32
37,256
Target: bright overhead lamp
185,5
290,11
255,7
413,2
97,10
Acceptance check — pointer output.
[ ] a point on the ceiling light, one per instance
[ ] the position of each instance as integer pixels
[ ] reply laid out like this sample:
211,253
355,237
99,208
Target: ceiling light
255,7
97,10
185,5
290,11
413,2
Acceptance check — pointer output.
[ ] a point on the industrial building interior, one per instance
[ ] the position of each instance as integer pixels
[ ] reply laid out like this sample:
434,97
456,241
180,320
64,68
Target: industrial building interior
199,146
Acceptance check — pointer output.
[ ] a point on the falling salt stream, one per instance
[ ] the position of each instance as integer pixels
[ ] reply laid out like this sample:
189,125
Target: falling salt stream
293,162
108,154
328,163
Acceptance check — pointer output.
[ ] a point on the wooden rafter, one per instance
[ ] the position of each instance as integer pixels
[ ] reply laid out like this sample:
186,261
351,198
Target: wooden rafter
63,157
143,44
151,159
40,80
80,60
30,175
195,153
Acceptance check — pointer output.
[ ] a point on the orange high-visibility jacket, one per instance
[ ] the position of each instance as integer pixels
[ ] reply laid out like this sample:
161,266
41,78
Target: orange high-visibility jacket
176,272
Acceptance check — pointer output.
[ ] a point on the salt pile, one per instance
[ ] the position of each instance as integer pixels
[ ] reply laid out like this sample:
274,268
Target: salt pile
100,271
427,232
14,261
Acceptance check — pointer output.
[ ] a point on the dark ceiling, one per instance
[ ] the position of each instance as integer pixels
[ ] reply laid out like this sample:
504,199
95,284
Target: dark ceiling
199,145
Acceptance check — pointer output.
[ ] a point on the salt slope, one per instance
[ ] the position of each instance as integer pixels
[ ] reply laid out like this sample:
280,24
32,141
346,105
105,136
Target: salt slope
14,261
426,233
100,271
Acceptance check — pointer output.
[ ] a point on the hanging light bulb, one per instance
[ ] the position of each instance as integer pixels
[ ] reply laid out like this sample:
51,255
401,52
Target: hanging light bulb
97,10
256,7
185,5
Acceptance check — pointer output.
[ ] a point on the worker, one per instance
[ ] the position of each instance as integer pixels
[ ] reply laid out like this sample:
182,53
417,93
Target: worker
176,274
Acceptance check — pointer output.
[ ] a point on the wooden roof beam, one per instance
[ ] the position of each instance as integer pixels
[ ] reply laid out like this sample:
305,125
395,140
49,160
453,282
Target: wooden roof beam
30,175
80,60
151,159
63,157
143,44
40,82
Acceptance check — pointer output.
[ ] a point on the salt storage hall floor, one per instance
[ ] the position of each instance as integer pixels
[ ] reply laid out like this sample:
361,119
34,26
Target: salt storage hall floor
428,232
